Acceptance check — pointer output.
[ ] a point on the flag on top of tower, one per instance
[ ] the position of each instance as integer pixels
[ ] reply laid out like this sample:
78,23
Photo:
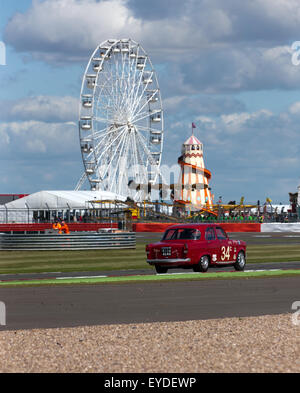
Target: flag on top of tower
193,125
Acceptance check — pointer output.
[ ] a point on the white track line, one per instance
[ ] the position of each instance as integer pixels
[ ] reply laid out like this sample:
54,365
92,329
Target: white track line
72,278
228,271
262,270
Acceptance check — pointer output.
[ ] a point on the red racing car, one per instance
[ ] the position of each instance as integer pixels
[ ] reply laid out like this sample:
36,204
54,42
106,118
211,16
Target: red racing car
196,246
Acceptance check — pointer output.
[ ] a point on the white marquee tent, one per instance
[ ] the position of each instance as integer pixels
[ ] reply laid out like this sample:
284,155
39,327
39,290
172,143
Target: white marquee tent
18,210
44,200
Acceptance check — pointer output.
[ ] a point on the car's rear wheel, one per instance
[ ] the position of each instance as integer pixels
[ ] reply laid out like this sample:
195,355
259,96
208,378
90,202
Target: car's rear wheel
203,264
240,261
161,269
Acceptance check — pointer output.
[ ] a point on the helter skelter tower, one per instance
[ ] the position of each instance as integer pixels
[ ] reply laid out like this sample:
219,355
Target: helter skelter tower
194,177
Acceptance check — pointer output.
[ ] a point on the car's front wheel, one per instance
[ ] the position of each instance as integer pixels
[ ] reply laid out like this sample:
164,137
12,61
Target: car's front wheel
203,264
240,261
161,269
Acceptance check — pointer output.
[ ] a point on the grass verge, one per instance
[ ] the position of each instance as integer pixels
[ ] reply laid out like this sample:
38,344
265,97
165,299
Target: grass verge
12,262
153,278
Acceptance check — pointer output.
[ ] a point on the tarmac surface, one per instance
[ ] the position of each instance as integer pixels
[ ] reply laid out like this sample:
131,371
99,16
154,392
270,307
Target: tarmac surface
87,305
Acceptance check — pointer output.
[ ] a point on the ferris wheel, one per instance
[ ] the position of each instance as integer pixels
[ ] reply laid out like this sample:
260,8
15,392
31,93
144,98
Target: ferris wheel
120,120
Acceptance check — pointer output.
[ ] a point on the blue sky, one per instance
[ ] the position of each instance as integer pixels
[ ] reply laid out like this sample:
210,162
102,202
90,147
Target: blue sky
224,65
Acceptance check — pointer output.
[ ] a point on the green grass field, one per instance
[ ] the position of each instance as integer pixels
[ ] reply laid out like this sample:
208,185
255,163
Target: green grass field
97,260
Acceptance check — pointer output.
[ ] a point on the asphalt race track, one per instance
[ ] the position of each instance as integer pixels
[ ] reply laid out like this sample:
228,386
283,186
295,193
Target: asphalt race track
81,305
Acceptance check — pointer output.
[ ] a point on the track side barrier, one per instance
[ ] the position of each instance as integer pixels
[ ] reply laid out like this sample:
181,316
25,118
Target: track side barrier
72,241
152,227
249,227
280,227
228,227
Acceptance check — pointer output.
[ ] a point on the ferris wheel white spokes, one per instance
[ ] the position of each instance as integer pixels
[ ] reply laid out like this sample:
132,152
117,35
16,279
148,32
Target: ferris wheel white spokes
121,119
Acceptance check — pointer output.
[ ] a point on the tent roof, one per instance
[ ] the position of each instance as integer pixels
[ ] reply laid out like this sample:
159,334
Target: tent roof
44,200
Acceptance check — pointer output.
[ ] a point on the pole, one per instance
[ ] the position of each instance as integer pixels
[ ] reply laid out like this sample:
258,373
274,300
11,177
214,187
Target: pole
6,214
27,213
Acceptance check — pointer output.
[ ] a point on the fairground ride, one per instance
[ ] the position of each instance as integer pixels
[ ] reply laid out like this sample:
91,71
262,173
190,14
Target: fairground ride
120,120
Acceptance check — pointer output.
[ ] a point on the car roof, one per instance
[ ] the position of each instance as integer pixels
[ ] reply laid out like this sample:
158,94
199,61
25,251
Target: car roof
193,226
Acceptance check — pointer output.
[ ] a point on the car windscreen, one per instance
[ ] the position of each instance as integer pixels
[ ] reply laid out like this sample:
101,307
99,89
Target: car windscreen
182,233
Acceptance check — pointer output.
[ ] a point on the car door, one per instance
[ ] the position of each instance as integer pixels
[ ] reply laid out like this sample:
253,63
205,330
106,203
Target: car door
193,244
211,243
225,249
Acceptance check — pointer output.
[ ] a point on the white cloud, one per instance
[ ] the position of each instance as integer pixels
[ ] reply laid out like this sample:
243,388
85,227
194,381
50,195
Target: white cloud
35,139
66,30
233,69
204,104
60,30
42,108
76,26
295,108
236,122
173,103
213,46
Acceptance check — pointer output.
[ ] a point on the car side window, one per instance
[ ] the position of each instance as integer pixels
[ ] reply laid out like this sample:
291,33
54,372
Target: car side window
192,234
183,234
171,234
221,235
180,234
210,234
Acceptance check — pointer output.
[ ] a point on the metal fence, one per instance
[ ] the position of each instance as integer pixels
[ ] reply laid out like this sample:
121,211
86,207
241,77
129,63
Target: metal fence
121,215
240,219
72,241
31,216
